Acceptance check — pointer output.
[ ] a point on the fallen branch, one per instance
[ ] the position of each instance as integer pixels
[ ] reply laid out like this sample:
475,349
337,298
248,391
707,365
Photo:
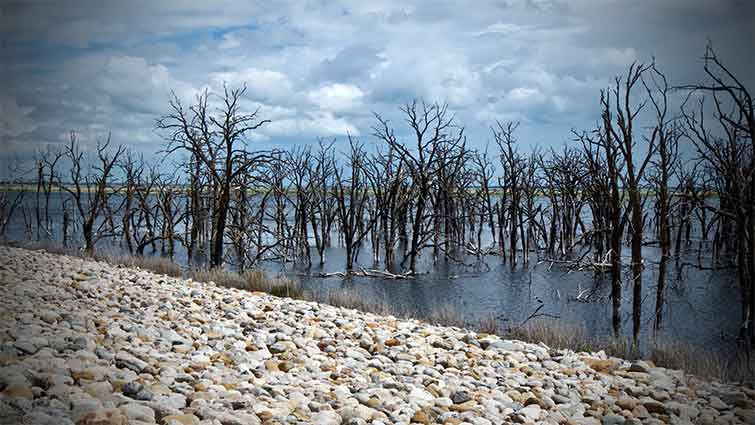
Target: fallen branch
366,273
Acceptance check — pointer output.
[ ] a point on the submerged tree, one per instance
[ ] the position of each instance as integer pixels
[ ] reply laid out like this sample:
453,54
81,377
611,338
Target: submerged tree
622,130
664,137
92,189
434,131
217,139
351,192
729,152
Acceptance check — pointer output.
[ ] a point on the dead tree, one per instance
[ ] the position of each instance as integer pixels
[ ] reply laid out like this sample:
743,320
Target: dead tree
531,186
732,157
432,127
167,196
514,168
483,171
623,132
91,190
322,206
131,170
218,141
391,192
564,173
144,217
605,165
664,137
352,195
196,212
597,193
299,165
9,202
449,217
46,172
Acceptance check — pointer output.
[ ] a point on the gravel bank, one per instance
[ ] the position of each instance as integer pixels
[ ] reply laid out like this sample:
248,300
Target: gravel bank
83,342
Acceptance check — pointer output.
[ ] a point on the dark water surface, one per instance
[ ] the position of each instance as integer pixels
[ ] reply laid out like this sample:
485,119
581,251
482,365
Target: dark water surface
702,308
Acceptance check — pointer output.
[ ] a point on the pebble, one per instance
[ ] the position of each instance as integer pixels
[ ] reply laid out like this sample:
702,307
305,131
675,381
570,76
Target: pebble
87,343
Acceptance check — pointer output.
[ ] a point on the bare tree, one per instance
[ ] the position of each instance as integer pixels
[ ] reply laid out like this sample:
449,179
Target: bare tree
47,164
352,194
392,194
218,141
91,190
433,127
514,166
323,208
483,171
8,205
564,173
732,157
664,137
622,130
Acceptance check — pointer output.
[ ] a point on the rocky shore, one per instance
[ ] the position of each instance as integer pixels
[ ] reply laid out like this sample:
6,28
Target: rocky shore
83,342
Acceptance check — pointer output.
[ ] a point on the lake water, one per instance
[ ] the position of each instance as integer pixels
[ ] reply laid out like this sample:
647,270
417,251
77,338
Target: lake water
702,308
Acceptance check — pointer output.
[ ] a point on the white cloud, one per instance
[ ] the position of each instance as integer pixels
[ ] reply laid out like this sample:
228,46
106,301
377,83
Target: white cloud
140,84
337,97
262,84
503,28
524,94
619,57
310,125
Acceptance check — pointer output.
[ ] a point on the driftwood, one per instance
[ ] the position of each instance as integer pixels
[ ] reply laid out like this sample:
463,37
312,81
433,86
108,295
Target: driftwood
366,273
582,264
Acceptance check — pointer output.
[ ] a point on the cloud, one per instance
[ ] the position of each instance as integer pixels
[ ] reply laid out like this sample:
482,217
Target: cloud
353,63
503,28
618,56
89,22
262,84
312,125
337,97
139,85
107,66
229,42
524,94
15,120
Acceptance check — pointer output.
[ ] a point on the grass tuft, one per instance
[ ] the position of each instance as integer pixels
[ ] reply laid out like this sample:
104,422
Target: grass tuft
351,298
553,334
693,360
250,280
446,315
664,353
158,265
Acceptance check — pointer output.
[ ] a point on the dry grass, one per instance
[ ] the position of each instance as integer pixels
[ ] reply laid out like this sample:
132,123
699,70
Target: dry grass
553,334
664,353
488,325
251,280
693,360
351,298
446,315
159,265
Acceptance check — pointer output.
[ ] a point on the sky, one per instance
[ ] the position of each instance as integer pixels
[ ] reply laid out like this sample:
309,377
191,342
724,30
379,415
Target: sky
321,69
